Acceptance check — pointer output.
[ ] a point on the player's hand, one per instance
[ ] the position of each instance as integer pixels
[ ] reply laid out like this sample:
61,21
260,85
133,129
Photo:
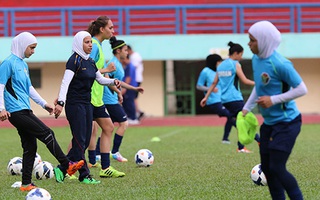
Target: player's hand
48,108
264,102
244,112
117,83
57,111
140,89
110,68
203,102
4,115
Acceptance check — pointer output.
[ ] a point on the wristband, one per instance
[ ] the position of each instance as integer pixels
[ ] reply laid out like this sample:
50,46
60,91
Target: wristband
60,103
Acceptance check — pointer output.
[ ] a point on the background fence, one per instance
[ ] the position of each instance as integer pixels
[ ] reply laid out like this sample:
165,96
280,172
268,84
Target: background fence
171,19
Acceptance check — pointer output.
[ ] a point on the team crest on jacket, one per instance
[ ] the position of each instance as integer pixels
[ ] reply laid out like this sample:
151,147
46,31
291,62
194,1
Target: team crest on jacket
26,72
265,78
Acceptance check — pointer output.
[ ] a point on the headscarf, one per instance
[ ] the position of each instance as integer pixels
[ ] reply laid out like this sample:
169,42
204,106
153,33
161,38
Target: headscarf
212,60
267,36
77,44
21,42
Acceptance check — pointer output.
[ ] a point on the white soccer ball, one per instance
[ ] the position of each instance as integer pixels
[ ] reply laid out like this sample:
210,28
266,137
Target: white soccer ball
15,166
144,158
258,176
38,194
37,160
43,170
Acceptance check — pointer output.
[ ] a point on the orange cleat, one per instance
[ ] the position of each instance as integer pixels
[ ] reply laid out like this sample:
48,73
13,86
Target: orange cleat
28,187
74,166
244,150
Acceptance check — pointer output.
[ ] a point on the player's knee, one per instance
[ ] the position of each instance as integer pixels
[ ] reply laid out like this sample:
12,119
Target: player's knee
125,125
111,128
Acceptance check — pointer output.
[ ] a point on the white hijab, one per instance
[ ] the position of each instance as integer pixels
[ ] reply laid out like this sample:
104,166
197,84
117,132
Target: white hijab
77,44
21,42
267,36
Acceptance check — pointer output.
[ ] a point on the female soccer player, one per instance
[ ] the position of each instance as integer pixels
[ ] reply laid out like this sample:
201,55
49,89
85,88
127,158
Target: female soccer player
101,29
277,84
110,97
75,93
205,80
15,91
228,74
129,96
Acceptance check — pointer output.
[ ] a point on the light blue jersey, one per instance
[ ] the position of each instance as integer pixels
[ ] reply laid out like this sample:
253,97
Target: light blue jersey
206,79
109,96
229,82
275,75
14,74
95,51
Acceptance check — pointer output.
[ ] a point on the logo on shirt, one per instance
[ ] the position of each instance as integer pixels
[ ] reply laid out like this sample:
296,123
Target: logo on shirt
265,78
26,71
225,73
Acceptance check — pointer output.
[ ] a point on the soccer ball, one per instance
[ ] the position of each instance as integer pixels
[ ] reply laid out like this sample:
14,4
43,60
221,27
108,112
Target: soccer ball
43,170
258,176
144,158
38,194
37,160
15,166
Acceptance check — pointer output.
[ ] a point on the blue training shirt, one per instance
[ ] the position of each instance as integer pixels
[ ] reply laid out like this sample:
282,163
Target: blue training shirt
229,81
95,51
206,79
14,74
275,75
130,71
109,96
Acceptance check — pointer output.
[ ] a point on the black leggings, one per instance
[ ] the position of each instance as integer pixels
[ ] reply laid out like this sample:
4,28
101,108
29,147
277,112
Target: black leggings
31,128
278,177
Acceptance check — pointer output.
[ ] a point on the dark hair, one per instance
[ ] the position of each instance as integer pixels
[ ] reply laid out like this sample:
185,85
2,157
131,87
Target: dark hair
129,47
234,47
94,26
116,44
212,60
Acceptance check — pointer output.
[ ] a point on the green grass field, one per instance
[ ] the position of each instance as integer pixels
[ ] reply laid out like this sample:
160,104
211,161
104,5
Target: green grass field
190,163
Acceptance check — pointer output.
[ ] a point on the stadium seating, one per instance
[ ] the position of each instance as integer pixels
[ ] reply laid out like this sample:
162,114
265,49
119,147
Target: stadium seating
193,18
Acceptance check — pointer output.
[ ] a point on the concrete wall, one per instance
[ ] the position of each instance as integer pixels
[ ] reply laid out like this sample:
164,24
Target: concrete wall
310,71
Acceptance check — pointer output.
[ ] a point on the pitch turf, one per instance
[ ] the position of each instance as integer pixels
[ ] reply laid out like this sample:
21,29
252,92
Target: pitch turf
190,163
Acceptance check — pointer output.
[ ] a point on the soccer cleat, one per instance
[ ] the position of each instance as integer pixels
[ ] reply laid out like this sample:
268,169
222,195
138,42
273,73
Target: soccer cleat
111,172
58,174
90,180
28,187
141,114
73,177
133,122
226,142
117,156
74,166
244,150
96,165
